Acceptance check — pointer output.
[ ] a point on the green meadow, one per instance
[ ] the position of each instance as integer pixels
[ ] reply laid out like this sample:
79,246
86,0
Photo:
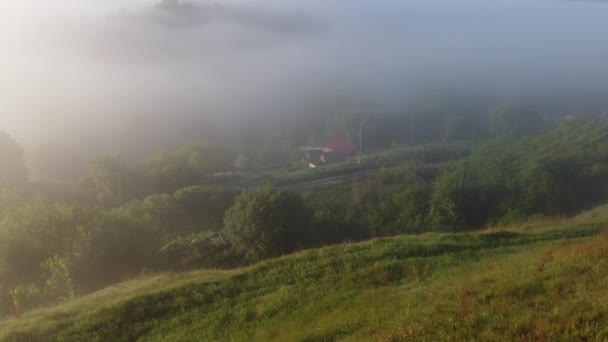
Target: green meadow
544,279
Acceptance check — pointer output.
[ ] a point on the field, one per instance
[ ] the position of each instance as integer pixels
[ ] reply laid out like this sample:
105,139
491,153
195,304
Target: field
541,280
371,163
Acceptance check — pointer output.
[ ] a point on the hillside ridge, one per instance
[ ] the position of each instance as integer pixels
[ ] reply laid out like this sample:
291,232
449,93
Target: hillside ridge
400,288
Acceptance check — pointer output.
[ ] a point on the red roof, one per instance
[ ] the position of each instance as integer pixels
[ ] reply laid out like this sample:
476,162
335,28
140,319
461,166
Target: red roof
338,144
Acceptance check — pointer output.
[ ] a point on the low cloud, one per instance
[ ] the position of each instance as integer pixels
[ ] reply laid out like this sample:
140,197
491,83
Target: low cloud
87,71
175,13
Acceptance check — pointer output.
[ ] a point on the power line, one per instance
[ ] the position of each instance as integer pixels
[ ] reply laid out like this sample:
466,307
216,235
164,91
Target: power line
516,166
579,128
489,180
509,167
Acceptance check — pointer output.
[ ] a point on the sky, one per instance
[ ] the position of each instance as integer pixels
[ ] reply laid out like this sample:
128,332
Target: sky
78,73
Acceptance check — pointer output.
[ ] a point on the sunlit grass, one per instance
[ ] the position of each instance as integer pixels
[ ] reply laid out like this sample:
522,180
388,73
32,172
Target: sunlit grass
539,280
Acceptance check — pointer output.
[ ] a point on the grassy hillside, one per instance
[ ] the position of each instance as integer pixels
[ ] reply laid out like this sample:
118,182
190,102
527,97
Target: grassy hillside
538,281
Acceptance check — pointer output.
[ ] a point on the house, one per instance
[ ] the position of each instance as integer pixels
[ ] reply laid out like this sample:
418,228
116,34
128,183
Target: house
312,156
335,151
338,144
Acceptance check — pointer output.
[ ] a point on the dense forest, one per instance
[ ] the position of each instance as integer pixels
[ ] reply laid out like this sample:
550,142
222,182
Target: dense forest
123,219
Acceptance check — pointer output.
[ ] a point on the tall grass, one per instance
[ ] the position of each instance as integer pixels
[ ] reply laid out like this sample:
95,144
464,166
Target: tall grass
540,281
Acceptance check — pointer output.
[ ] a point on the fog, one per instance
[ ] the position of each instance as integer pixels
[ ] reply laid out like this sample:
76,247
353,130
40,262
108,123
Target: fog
102,74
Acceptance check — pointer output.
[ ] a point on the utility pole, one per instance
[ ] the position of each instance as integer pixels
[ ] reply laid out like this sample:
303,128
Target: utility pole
361,123
360,141
466,165
410,128
426,138
464,173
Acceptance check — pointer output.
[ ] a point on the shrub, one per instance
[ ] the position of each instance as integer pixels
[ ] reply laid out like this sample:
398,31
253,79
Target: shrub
201,250
267,222
59,282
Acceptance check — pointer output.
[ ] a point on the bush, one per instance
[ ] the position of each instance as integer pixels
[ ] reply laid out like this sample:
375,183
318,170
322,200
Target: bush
443,212
413,204
562,172
202,250
113,248
65,250
204,206
326,229
267,222
59,283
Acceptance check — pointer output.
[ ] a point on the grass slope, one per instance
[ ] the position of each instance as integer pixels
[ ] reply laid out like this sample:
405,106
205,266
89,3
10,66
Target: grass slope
545,280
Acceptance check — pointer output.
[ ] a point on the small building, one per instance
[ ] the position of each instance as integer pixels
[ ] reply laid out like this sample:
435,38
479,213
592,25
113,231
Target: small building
335,151
338,144
311,156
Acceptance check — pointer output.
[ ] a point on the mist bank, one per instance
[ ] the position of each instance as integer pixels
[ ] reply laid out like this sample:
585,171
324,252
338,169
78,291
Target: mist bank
129,77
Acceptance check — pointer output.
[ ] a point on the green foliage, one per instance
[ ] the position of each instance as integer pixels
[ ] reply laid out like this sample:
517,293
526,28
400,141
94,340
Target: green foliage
36,232
529,282
562,172
159,212
190,210
267,222
143,223
201,250
59,282
336,217
14,301
388,211
113,248
9,200
186,166
67,249
442,215
413,204
205,205
452,206
109,182
393,201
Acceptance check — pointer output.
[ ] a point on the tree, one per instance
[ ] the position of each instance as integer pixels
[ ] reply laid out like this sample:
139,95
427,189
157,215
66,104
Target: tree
443,211
110,181
205,206
112,248
187,165
267,222
413,205
32,234
515,121
13,172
